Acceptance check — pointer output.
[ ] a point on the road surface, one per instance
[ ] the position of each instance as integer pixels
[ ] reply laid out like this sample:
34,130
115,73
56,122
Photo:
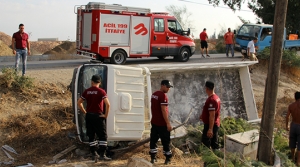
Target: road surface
133,61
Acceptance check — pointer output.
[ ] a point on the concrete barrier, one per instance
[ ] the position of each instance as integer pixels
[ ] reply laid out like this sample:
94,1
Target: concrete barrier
29,58
36,58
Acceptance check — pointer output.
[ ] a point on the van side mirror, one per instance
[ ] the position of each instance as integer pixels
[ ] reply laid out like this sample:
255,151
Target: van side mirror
188,32
234,31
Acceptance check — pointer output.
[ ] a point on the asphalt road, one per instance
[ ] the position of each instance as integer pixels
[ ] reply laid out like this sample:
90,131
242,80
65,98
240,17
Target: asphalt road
133,61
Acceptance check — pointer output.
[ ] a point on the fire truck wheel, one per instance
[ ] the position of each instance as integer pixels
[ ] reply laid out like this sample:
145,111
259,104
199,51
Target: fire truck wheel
118,57
161,57
184,55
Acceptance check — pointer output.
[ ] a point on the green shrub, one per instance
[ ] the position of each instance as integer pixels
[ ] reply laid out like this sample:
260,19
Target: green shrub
11,80
231,126
289,58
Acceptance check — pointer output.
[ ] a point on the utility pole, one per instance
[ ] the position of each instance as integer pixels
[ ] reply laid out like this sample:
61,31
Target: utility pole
271,88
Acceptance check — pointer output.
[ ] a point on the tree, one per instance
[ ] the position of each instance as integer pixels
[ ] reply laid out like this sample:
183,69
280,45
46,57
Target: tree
243,20
182,15
265,9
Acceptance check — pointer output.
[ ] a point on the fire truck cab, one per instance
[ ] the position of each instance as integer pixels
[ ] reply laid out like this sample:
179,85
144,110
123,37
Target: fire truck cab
114,33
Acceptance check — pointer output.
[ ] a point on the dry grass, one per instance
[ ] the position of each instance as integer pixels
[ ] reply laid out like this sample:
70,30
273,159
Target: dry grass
35,129
178,159
39,134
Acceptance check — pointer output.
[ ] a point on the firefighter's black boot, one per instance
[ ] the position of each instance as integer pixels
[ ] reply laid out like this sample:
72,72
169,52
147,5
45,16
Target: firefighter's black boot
95,156
168,159
101,152
153,158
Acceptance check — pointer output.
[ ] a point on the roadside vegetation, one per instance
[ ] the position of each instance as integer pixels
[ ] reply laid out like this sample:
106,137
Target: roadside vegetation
34,118
192,143
12,81
290,58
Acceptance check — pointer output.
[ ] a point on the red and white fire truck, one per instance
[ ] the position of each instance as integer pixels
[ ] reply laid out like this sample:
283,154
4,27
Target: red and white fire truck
115,33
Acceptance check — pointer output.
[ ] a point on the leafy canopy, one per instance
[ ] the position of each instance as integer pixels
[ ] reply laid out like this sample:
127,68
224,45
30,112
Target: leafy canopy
265,10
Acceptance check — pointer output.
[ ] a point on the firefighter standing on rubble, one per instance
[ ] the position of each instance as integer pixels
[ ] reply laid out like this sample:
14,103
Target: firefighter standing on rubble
95,117
211,117
161,125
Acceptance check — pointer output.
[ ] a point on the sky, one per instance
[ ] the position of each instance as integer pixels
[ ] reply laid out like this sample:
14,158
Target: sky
56,18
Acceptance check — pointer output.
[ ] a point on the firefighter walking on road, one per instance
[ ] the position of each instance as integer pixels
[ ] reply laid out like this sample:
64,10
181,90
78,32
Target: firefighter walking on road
95,117
161,126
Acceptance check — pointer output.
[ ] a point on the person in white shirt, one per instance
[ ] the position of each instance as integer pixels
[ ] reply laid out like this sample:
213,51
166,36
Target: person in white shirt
251,52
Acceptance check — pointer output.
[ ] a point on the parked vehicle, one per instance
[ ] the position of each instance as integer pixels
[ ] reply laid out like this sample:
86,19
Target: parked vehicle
264,34
115,32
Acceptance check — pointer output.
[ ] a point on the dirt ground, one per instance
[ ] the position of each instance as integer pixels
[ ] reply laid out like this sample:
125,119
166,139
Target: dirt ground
36,124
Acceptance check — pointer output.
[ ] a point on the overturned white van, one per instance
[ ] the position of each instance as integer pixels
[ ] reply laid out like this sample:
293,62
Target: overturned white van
129,90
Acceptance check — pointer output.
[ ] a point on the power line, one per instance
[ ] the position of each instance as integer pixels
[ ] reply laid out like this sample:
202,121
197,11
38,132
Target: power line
224,7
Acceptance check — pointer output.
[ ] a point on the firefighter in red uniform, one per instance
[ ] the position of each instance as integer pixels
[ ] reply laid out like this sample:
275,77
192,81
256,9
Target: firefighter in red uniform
211,117
95,117
161,126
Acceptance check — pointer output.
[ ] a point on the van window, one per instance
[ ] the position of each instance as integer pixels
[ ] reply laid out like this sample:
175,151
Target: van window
265,32
159,25
174,26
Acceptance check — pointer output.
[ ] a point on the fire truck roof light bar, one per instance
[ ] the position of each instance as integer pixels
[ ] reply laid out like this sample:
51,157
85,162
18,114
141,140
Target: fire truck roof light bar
115,7
161,13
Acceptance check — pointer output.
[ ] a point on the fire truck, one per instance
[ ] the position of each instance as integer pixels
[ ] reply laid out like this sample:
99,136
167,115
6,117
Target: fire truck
114,33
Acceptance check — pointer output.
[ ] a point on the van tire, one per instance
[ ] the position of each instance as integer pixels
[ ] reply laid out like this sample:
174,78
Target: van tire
184,55
118,57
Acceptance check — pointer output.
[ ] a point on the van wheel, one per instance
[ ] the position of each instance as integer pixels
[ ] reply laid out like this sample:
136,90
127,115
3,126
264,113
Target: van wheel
118,57
161,57
184,55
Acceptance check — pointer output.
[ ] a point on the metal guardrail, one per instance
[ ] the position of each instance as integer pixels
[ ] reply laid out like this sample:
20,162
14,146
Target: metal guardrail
30,58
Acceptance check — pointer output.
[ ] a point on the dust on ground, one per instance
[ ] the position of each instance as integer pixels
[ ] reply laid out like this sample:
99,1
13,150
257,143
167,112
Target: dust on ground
64,48
288,84
37,47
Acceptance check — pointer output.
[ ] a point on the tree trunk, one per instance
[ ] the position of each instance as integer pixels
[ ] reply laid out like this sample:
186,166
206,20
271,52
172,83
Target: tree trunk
269,108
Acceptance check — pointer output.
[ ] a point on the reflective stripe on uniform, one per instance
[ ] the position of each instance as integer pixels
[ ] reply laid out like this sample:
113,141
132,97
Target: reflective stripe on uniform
153,150
94,143
102,143
168,152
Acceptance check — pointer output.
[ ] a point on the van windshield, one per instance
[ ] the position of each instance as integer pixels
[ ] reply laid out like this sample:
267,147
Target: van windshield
87,73
249,31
